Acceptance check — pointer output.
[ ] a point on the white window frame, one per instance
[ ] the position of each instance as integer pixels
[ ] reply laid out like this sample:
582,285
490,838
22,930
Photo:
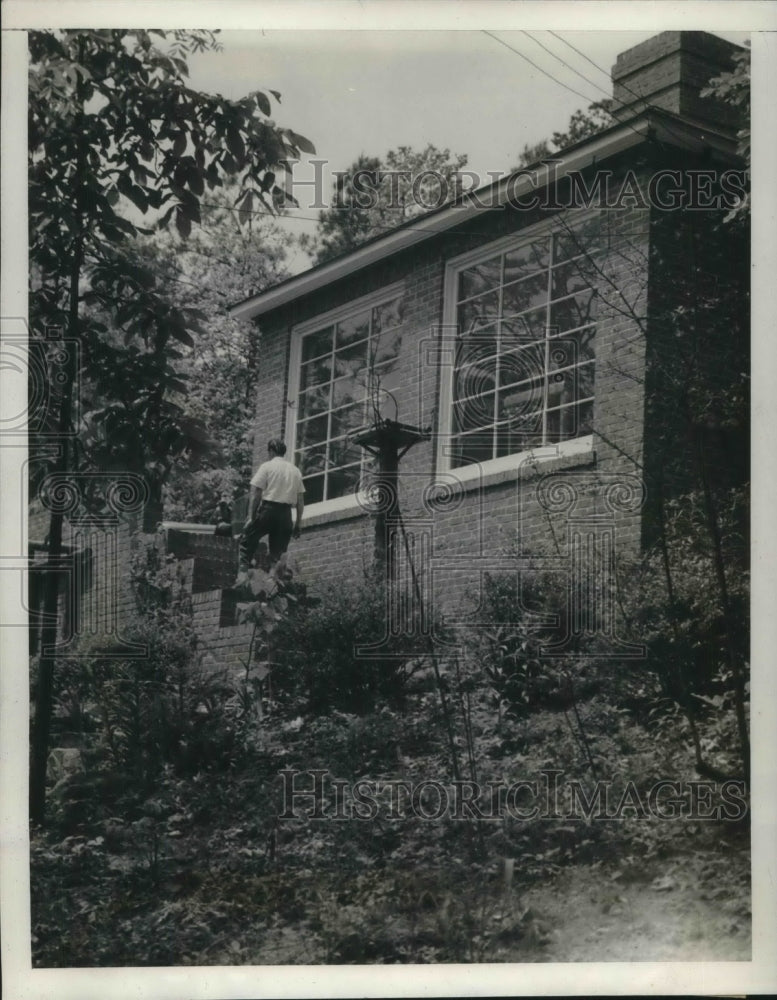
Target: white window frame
298,332
505,463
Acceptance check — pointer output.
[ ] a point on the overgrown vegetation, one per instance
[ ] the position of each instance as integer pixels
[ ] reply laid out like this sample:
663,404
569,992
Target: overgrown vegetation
177,838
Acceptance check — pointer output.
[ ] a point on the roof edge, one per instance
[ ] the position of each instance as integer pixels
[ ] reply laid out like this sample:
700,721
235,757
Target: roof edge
653,123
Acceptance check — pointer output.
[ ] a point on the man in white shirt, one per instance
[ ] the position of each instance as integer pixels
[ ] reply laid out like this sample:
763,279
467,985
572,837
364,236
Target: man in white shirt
276,488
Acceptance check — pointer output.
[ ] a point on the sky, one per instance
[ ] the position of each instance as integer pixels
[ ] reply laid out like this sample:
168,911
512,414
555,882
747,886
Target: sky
353,92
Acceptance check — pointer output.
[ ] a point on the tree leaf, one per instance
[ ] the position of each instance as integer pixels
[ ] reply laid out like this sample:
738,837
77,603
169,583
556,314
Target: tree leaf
301,142
262,102
179,143
236,146
183,222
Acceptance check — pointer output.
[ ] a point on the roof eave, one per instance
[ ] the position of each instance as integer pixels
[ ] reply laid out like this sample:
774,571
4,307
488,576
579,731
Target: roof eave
659,125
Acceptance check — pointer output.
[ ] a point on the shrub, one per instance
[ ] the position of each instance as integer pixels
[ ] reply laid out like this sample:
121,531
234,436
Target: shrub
517,619
317,658
135,715
697,642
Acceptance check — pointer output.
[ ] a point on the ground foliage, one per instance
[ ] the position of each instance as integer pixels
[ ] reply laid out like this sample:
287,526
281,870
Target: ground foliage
170,840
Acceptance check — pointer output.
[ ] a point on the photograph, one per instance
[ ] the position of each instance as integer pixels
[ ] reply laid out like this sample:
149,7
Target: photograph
382,399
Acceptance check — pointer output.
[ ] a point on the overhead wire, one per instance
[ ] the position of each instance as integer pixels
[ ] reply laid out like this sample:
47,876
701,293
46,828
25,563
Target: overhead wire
534,64
389,227
600,68
637,97
561,83
540,69
567,65
644,104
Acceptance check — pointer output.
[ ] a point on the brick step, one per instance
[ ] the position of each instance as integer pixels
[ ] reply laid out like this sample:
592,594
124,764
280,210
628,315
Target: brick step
215,558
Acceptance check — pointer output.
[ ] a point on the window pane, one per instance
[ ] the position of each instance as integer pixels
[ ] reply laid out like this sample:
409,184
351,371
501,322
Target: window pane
523,295
572,312
350,360
343,452
526,329
340,364
312,460
527,379
569,278
519,435
315,372
355,328
570,422
386,347
570,385
475,373
472,448
480,278
348,390
568,245
313,401
311,432
523,364
341,482
478,313
473,413
571,348
521,402
347,419
562,388
387,316
314,489
475,350
526,260
316,344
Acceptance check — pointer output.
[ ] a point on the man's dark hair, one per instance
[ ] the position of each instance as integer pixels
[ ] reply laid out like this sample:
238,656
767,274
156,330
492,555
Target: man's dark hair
276,446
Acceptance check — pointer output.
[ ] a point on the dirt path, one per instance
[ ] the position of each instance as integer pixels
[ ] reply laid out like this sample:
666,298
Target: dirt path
687,909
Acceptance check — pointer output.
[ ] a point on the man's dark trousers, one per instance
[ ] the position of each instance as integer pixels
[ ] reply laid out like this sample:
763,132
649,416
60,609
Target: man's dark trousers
274,520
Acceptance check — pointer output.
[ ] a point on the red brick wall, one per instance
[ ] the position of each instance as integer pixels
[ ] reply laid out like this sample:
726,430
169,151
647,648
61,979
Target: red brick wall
341,549
223,648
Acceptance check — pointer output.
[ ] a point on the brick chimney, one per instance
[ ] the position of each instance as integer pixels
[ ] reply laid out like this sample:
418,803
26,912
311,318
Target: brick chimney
669,71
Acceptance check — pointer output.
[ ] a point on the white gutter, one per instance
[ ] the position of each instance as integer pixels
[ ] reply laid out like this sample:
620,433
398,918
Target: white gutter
515,186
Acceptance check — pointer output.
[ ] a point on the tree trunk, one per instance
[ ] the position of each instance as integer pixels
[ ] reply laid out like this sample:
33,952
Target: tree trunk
50,628
44,694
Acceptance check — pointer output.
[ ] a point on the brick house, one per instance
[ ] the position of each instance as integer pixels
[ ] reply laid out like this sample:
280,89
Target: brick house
533,330
536,334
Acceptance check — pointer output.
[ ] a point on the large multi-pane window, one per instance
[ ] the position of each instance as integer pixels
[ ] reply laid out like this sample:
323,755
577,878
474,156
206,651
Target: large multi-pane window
347,370
523,371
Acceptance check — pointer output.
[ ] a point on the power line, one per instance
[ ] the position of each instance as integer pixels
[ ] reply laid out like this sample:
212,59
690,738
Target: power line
559,82
575,49
566,64
597,66
643,102
637,97
538,68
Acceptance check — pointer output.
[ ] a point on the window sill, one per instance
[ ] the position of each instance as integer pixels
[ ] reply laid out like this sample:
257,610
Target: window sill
524,467
473,477
345,509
